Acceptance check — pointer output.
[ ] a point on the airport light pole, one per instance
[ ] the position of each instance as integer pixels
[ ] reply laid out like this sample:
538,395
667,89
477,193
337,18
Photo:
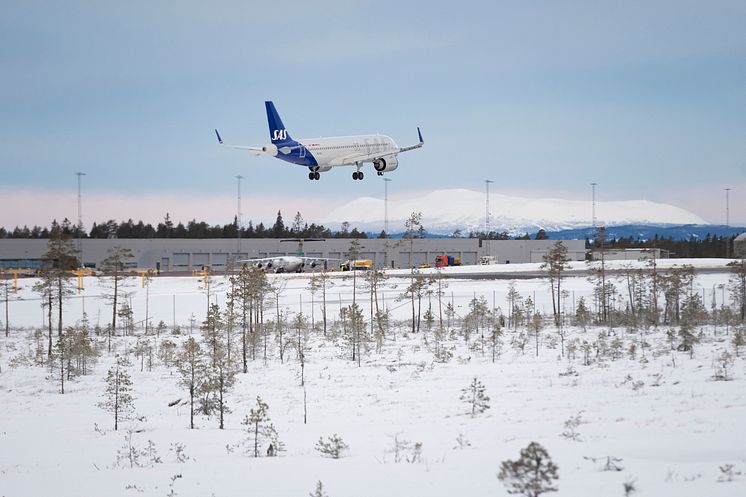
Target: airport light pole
593,207
238,216
386,182
727,222
80,218
487,208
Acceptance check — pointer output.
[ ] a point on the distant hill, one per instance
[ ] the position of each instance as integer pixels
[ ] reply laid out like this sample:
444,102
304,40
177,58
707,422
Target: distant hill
648,232
445,211
641,231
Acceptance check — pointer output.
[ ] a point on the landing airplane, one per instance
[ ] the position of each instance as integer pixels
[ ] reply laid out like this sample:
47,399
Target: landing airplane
319,155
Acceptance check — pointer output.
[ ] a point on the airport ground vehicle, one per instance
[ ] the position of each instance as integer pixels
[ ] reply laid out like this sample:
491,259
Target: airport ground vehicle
356,265
447,260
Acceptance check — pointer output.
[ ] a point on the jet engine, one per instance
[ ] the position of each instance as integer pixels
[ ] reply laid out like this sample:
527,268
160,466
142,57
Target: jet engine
270,150
385,164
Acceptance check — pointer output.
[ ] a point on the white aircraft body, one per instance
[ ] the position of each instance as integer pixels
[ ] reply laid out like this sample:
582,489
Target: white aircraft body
322,154
285,263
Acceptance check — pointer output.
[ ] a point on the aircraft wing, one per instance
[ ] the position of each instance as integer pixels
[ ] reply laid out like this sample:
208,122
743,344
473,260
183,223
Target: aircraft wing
365,157
257,150
350,159
263,259
413,147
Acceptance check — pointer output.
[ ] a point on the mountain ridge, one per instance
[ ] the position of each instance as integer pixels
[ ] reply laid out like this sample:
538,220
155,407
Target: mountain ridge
445,211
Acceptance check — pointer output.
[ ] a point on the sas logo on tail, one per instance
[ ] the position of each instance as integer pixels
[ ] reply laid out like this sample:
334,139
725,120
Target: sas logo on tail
280,134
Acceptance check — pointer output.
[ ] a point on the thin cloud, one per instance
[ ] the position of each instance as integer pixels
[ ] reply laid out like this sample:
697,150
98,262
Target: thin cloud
41,207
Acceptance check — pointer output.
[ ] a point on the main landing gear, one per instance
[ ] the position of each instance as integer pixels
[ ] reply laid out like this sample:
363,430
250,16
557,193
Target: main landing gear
358,174
314,175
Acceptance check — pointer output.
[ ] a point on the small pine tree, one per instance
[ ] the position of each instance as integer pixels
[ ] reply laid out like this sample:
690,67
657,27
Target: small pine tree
222,379
474,396
6,289
192,371
332,447
261,431
532,474
118,398
582,314
739,340
319,491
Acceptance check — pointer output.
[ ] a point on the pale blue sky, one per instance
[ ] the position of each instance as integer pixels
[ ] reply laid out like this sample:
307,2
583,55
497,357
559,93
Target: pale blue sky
647,98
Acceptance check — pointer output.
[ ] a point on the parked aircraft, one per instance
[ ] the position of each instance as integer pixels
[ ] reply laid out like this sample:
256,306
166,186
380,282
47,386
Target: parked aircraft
286,263
322,154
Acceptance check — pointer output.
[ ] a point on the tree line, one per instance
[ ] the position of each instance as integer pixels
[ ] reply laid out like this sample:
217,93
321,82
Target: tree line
193,229
693,247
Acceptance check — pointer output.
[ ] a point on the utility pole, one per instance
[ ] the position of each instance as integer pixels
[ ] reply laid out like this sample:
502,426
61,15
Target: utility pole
80,219
238,217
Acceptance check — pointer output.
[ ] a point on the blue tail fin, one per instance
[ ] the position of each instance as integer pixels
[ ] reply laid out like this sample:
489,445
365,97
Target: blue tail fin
277,131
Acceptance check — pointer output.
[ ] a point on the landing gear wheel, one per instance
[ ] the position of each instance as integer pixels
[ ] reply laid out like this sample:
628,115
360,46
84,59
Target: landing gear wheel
355,175
316,175
312,175
360,175
380,173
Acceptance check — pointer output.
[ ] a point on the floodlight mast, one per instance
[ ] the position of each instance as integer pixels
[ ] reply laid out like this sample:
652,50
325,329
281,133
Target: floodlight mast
386,205
727,222
593,208
238,217
80,218
487,208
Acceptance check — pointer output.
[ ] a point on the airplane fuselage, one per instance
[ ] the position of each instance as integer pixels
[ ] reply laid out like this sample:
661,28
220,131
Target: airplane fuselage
325,153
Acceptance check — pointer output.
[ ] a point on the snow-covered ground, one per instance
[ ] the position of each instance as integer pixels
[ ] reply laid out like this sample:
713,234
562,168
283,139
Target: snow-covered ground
671,425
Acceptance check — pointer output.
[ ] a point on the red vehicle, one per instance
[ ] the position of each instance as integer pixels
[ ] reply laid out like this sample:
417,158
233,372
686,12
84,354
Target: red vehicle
447,260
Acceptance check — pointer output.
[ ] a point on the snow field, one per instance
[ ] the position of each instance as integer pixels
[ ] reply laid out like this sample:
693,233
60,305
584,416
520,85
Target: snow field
671,438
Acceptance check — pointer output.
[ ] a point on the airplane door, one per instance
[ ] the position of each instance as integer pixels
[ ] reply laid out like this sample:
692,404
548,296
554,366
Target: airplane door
302,151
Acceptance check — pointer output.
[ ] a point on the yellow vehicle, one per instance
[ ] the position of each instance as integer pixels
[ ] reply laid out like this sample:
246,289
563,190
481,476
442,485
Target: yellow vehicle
356,265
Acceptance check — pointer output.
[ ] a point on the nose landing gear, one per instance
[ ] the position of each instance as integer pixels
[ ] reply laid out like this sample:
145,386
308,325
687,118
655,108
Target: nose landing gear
314,175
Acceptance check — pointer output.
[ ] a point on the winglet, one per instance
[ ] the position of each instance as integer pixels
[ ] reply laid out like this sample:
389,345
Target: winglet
413,147
220,140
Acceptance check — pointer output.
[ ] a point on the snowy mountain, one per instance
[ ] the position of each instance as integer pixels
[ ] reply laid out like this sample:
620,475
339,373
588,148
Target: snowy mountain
444,211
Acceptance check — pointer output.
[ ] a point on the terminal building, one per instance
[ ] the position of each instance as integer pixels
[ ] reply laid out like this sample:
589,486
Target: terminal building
183,254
